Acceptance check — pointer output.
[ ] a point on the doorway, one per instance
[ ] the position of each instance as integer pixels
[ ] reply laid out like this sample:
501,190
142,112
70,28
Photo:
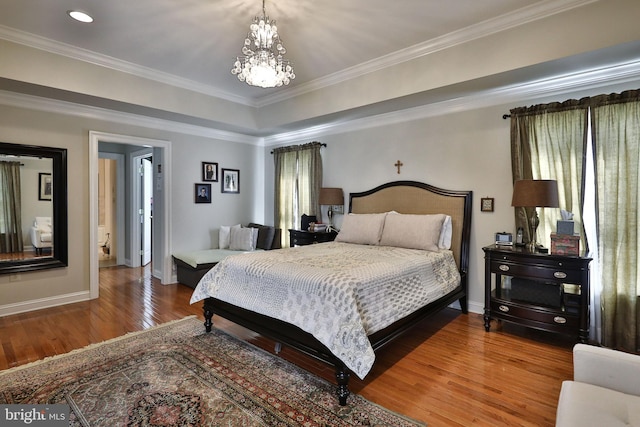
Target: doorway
158,163
110,209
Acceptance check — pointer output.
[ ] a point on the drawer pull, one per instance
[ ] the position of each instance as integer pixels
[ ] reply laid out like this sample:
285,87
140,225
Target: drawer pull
560,319
503,267
560,275
503,308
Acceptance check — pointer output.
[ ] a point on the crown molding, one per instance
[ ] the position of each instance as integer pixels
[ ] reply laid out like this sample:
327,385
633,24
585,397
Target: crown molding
74,52
482,29
521,16
609,75
68,108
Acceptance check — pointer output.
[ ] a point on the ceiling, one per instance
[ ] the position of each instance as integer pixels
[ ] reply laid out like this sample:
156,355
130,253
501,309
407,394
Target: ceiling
195,42
198,40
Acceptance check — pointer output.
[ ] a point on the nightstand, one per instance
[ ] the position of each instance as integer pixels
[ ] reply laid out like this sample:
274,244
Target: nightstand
543,291
301,237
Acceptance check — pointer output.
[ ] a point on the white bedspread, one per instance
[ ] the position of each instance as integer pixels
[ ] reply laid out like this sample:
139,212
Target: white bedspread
338,292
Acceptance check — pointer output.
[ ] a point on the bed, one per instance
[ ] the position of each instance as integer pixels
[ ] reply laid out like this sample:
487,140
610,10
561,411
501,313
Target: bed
301,325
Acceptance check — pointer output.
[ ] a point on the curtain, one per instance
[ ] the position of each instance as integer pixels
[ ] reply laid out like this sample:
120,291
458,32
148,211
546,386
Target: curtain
548,142
298,177
10,208
616,136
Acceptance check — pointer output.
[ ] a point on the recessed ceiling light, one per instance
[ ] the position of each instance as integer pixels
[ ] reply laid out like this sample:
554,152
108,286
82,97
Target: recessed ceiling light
79,16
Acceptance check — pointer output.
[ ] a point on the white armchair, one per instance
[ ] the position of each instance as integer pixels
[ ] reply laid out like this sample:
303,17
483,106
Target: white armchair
605,390
42,234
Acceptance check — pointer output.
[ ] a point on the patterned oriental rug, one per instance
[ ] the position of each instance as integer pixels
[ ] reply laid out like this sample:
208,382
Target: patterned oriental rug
178,375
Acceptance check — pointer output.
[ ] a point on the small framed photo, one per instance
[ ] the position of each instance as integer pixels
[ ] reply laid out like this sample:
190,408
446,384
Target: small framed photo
209,171
45,186
486,204
203,193
230,180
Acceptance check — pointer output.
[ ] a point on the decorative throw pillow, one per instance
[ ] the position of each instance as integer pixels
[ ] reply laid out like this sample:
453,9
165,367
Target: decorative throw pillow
446,233
362,229
412,231
243,239
224,235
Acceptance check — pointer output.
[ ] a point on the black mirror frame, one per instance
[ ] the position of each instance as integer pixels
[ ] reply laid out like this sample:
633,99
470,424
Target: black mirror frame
60,248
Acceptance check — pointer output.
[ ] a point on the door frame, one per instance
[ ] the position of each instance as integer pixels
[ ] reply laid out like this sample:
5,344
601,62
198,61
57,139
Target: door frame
162,183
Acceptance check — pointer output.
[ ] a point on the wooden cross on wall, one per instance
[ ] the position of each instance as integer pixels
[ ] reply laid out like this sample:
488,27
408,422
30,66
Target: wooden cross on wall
399,164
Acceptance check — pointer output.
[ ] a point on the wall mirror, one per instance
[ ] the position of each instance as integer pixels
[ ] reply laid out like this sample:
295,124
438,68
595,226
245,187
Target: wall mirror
33,208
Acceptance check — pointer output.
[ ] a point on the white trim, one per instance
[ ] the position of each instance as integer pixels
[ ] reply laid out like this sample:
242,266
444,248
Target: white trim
78,53
40,303
69,108
539,10
607,75
604,76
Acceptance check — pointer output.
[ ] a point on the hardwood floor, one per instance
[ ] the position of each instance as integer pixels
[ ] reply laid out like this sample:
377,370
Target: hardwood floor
447,371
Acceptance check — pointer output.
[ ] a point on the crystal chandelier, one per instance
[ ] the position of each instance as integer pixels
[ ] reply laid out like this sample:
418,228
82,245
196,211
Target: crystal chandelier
263,64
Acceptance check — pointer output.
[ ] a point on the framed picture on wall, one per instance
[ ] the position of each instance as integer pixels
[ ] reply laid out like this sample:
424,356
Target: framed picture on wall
209,171
45,186
486,204
230,180
203,193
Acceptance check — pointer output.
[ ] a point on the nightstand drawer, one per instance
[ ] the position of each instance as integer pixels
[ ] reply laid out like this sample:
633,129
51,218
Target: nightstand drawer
544,272
562,320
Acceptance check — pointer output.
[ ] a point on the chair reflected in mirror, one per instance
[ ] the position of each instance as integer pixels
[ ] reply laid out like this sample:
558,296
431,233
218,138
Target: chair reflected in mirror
42,234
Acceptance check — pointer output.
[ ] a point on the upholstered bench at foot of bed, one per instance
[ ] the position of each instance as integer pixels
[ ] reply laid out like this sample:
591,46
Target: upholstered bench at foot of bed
192,266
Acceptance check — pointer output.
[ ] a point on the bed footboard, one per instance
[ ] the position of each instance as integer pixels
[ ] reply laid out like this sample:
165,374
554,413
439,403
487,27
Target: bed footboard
280,332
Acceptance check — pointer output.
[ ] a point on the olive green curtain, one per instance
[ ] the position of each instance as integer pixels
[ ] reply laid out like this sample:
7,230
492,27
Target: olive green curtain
548,142
616,136
11,210
298,178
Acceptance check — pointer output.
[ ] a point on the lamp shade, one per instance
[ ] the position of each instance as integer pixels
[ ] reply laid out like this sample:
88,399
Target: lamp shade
331,196
531,193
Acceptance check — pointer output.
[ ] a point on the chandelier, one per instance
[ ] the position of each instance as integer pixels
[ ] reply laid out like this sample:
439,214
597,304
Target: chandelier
263,64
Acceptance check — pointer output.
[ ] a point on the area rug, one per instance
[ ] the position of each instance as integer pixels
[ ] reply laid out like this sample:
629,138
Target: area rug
178,375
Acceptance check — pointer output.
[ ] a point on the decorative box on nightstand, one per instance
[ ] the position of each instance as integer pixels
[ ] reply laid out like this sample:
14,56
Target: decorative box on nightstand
565,244
543,291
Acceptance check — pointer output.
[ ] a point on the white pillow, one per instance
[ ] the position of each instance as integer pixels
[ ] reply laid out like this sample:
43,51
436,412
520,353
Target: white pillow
225,233
445,234
412,231
362,229
243,239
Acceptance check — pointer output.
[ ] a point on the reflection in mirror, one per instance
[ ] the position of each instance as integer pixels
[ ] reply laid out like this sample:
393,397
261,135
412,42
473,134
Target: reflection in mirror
33,208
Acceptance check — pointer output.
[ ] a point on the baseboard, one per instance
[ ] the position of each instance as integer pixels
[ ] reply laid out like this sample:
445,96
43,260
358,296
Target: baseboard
38,304
476,307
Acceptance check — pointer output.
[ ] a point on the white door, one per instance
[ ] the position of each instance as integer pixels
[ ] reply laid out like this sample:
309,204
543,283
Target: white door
146,216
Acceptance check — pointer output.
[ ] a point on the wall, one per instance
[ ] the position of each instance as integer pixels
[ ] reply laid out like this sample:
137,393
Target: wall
192,227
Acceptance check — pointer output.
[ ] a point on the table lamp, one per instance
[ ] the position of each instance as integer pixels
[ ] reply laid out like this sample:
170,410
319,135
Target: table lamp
535,193
331,196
